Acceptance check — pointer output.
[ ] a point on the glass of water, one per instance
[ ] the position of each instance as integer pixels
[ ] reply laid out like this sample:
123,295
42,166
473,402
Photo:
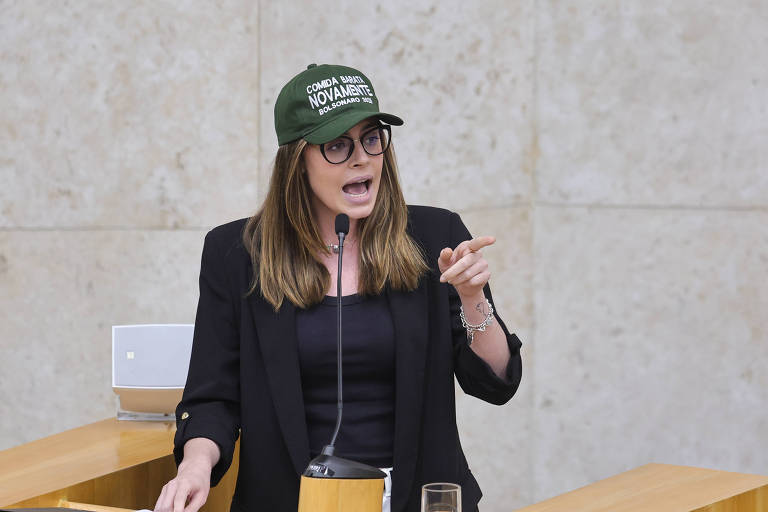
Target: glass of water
441,497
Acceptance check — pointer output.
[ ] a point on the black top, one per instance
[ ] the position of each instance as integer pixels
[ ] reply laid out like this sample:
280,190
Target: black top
368,369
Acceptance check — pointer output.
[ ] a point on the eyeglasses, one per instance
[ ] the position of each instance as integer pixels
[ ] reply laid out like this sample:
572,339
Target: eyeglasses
374,141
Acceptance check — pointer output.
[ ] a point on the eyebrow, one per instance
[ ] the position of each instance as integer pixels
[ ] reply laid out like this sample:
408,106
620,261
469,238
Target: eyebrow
371,124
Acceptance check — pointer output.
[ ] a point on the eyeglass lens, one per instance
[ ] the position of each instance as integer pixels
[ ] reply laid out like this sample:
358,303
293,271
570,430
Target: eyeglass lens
374,141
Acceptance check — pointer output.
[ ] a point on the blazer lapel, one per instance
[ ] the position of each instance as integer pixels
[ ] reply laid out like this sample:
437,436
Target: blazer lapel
409,316
279,348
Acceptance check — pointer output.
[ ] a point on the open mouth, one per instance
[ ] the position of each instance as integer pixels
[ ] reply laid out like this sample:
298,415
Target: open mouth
358,188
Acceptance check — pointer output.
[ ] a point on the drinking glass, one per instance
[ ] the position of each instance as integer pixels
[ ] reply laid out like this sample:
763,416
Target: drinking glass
441,497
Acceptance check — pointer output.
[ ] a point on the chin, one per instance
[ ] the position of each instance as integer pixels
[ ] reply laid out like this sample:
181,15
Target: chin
358,212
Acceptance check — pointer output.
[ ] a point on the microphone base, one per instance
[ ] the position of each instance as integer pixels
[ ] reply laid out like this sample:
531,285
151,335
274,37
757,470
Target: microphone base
330,466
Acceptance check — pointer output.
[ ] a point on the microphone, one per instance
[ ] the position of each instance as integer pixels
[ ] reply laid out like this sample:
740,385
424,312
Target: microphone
342,228
326,465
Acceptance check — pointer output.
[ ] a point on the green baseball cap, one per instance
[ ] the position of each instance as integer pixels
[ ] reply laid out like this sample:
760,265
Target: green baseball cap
322,102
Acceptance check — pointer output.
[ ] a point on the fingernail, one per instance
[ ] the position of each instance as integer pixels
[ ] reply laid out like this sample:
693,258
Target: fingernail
442,279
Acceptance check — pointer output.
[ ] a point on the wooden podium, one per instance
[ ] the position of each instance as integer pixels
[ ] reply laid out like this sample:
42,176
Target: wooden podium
116,463
665,488
126,463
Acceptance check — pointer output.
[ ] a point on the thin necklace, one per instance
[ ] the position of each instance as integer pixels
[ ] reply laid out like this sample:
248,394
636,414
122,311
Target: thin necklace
335,247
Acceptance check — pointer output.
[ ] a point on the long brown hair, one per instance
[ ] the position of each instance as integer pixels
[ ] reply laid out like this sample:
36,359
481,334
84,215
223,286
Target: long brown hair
283,237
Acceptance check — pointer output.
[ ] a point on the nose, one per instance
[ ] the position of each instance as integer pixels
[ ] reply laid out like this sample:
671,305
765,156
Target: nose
359,155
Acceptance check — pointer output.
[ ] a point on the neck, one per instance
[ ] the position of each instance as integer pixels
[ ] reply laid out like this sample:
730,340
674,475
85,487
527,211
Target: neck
327,227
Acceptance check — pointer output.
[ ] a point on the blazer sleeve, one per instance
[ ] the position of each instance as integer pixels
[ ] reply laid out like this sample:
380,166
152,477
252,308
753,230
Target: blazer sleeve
475,376
210,406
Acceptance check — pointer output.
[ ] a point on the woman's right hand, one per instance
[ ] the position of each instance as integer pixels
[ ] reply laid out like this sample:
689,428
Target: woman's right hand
189,490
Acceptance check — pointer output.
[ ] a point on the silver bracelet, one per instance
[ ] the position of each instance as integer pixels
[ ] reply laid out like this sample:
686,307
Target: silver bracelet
472,329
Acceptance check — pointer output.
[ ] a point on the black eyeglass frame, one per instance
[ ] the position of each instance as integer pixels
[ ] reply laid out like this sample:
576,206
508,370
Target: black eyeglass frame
381,127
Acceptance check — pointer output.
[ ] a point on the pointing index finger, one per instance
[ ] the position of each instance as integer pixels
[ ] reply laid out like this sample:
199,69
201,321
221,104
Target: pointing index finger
481,241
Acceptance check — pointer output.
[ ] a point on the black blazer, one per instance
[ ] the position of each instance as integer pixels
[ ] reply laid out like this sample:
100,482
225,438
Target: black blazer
244,377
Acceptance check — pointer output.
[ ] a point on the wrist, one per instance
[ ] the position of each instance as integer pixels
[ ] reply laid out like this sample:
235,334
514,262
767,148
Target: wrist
476,316
465,297
472,299
196,463
200,452
475,307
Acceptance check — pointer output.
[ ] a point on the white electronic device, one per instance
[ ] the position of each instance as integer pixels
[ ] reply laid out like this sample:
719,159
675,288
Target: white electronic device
149,369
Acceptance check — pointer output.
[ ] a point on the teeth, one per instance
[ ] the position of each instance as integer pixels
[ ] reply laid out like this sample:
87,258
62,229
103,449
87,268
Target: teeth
358,194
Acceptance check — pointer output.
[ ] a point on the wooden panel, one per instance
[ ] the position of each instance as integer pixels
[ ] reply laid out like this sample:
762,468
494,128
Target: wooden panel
130,488
79,455
755,500
657,488
112,463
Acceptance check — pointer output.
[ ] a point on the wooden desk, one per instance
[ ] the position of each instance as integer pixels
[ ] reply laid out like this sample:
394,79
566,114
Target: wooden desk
665,488
126,463
117,463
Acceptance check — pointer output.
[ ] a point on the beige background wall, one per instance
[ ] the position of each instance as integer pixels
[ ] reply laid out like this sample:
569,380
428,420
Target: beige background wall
616,149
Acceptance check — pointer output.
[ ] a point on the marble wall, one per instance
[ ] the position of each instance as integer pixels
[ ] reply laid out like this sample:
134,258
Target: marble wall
617,151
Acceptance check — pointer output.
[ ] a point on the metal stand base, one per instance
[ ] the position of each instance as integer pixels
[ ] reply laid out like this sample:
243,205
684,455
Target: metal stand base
144,416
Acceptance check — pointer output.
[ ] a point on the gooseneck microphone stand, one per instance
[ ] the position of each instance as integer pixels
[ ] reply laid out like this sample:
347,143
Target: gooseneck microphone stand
332,483
342,228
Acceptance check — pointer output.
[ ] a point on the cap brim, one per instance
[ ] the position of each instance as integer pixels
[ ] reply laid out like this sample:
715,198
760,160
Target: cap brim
342,123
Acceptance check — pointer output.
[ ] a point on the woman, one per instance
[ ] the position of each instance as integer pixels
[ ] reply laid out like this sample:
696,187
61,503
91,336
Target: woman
417,311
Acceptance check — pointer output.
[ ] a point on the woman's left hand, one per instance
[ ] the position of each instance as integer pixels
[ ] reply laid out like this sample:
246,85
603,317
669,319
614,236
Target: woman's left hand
464,267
